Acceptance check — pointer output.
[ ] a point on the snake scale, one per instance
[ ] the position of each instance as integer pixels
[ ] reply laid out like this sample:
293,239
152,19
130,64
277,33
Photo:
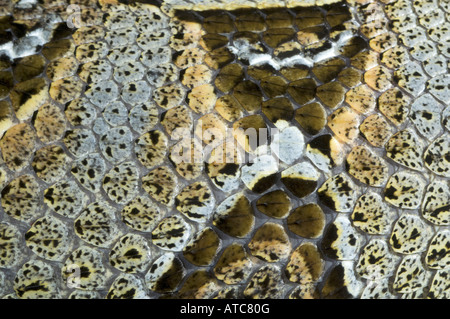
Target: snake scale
224,149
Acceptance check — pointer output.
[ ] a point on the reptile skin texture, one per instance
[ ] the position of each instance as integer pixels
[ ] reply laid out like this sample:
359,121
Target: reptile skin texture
225,149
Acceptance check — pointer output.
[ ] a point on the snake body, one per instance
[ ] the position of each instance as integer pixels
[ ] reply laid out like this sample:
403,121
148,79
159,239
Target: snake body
128,170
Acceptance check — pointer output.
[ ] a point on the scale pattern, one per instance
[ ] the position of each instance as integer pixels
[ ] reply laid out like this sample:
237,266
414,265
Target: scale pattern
99,99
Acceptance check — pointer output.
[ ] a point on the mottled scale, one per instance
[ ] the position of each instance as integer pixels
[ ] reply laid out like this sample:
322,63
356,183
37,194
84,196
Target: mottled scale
96,71
127,286
439,286
165,274
177,121
118,19
341,241
405,190
61,68
151,21
196,75
87,263
153,40
129,71
372,215
91,51
435,204
169,96
21,198
162,74
405,148
17,146
344,122
325,152
233,266
395,57
342,283
96,225
223,166
150,148
192,56
410,235
172,233
141,214
143,117
234,216
411,37
426,116
196,201
102,93
121,182
136,92
435,65
89,171
116,144
87,34
79,141
411,78
338,193
376,130
65,198
130,254
439,86
377,290
383,42
376,261
261,174
121,37
411,275
80,112
305,265
394,104
115,113
367,167
36,280
265,284
270,243
50,163
301,179
187,158
11,242
49,123
161,184
48,238
118,56
437,156
438,254
361,99
210,129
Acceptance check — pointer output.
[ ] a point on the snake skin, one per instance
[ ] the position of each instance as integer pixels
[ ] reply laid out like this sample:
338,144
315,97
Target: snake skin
350,200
